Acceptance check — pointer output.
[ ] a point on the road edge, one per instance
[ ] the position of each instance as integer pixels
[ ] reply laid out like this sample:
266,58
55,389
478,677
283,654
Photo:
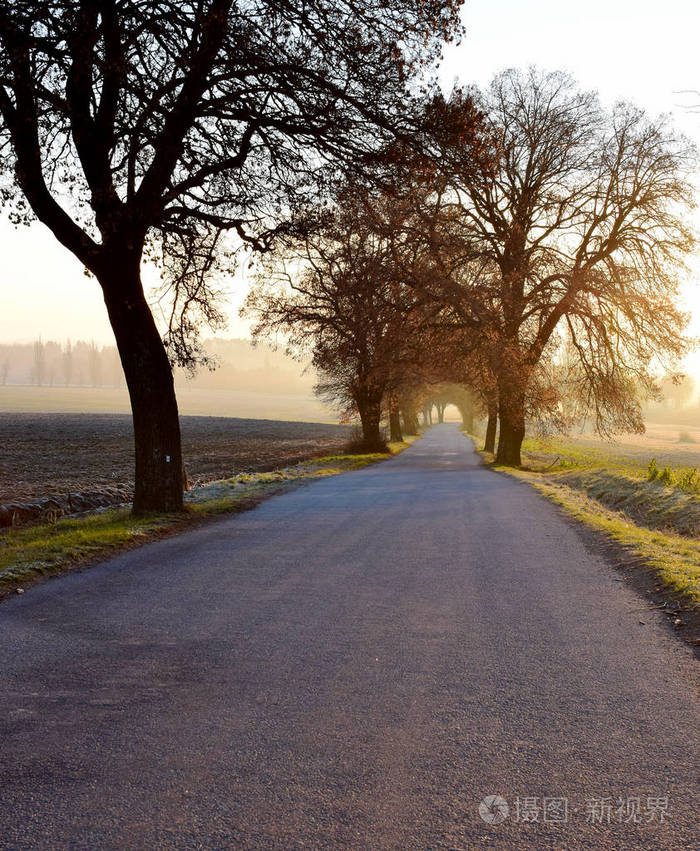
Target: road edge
635,567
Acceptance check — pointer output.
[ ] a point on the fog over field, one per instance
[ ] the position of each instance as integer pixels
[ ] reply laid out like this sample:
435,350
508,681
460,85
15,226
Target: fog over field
254,381
74,376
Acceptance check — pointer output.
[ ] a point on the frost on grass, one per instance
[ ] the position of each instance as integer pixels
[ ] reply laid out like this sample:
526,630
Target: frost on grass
246,483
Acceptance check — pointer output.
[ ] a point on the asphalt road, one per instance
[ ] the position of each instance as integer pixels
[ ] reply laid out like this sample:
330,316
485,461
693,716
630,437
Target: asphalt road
356,664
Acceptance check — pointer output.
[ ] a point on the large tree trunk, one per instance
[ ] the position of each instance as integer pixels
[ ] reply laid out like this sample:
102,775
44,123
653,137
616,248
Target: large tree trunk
369,406
511,414
491,426
441,412
371,432
395,424
159,477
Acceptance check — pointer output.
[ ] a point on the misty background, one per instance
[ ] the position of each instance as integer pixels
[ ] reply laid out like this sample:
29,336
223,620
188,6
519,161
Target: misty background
83,376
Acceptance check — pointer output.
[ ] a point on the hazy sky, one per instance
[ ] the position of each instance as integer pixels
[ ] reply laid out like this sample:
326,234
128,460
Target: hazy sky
633,49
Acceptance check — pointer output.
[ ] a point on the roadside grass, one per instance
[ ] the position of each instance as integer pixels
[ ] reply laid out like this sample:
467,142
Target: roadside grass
29,554
631,455
652,512
661,498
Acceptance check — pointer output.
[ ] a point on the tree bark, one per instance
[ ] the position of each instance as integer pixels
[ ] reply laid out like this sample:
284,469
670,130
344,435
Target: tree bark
491,426
441,412
371,431
511,414
369,406
159,478
395,434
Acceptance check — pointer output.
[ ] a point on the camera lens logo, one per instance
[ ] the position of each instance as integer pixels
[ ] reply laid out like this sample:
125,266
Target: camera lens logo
493,809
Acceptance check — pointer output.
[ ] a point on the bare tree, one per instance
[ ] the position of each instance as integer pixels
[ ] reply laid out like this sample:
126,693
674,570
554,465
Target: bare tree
575,229
137,130
335,294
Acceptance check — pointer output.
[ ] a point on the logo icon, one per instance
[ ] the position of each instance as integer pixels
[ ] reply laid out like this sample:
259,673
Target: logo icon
493,809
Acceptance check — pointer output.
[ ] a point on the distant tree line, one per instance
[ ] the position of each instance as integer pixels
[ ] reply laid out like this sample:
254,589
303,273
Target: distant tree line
238,366
49,364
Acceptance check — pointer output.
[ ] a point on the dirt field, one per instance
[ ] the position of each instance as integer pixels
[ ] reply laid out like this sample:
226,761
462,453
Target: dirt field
48,454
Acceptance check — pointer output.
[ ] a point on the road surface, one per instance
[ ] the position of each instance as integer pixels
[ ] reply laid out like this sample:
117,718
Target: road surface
356,664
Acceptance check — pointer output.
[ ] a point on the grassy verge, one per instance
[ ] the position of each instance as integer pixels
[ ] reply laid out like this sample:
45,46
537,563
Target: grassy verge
653,521
28,555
